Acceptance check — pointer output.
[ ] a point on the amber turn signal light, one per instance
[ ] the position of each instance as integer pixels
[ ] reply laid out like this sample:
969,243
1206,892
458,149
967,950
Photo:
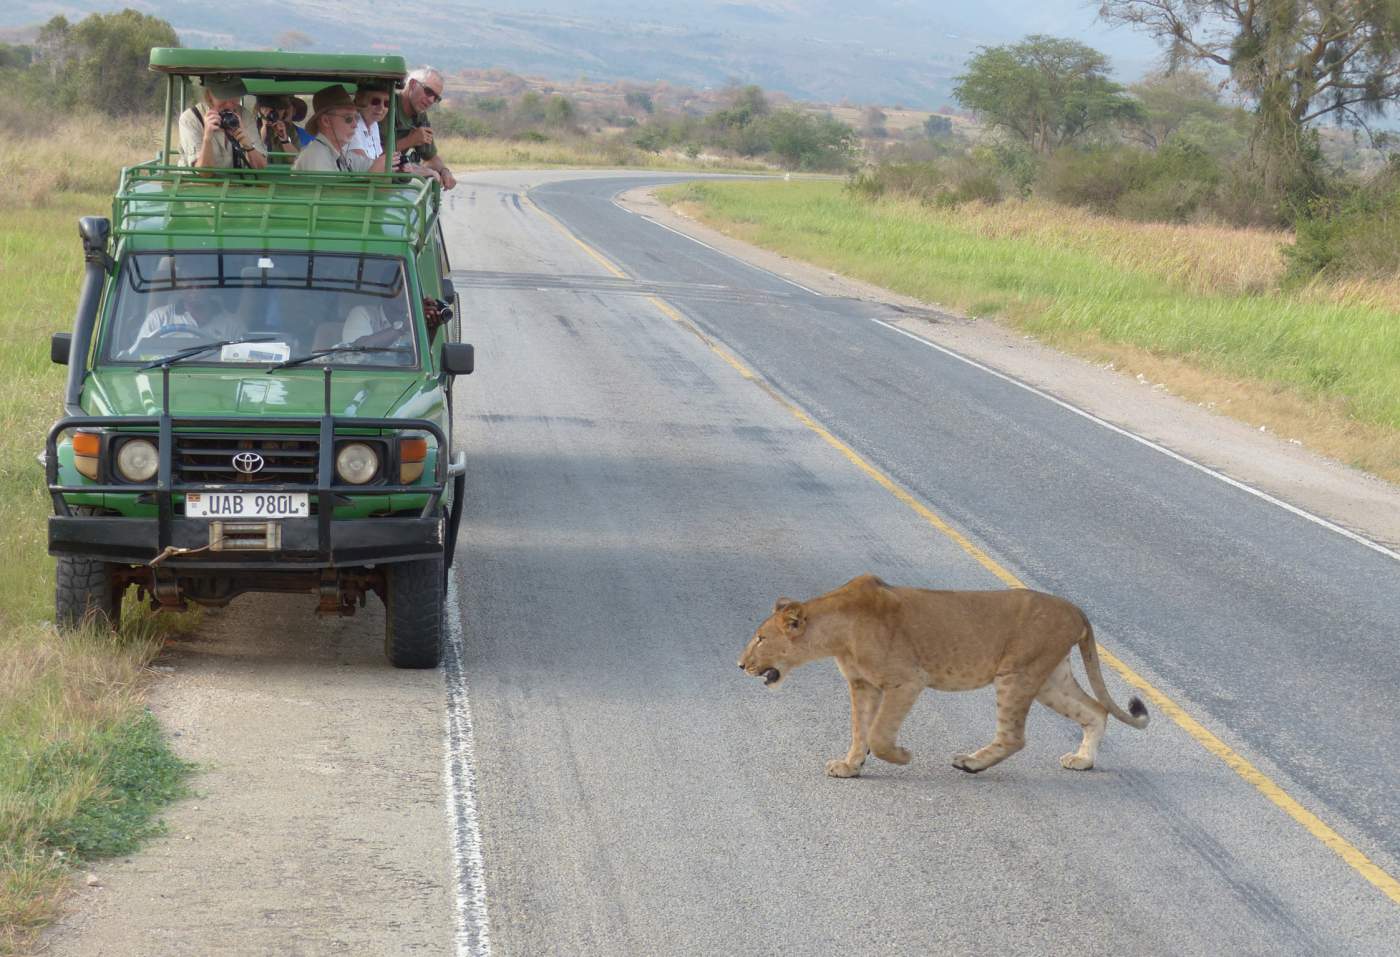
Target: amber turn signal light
87,448
412,453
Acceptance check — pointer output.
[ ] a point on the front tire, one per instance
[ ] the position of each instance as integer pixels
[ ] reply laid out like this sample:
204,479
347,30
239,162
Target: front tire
415,596
85,591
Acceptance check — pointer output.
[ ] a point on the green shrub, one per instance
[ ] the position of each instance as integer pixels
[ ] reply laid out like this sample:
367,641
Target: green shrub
1357,234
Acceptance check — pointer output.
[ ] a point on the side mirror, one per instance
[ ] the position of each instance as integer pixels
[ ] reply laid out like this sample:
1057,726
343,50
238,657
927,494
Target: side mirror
449,291
60,345
458,358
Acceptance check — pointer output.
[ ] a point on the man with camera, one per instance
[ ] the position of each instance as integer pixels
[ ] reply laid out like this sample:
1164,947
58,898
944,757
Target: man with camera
275,125
219,133
413,133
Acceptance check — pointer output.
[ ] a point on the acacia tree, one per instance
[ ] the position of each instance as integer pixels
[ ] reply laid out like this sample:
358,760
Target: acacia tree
1297,60
1044,91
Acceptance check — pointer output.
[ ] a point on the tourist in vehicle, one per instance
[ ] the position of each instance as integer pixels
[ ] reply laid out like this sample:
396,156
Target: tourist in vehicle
333,120
219,132
190,315
298,114
366,149
413,133
275,124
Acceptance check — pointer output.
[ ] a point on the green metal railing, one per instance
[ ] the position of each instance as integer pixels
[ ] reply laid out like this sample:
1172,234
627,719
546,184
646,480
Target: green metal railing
154,199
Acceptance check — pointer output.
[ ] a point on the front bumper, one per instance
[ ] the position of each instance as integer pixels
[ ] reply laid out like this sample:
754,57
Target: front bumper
137,541
321,541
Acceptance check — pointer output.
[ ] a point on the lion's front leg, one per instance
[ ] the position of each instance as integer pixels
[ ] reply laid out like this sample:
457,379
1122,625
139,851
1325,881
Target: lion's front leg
865,699
894,708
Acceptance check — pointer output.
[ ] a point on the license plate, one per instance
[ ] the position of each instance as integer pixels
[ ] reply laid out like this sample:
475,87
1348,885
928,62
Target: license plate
247,505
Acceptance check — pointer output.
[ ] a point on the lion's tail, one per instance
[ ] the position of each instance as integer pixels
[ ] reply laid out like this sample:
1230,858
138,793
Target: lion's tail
1136,715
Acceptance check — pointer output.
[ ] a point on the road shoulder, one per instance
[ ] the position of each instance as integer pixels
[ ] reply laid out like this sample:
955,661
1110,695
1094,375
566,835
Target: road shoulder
1351,499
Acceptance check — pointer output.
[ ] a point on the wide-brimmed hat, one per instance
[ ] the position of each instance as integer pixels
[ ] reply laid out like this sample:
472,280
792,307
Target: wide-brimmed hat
298,109
331,98
222,86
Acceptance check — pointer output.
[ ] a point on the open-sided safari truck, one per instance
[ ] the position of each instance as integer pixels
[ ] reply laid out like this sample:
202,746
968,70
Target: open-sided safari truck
259,393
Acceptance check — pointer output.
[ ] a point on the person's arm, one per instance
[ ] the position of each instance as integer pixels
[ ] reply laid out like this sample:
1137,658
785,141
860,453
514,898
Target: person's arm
251,141
444,174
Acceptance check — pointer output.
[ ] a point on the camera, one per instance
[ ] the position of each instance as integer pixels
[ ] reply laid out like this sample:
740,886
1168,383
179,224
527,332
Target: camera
228,119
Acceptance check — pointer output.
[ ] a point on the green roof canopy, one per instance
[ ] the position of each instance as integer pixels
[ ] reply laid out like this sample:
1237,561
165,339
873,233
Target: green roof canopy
271,64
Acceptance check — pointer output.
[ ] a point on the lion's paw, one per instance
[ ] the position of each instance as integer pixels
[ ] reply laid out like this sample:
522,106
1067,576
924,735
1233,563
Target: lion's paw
964,762
842,769
1075,763
893,755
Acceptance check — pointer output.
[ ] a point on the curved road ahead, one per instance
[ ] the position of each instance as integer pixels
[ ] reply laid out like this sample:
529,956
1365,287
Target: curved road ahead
638,504
663,440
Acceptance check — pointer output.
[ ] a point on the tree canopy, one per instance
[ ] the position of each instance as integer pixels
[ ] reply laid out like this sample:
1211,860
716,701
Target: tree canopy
99,63
1296,60
1044,91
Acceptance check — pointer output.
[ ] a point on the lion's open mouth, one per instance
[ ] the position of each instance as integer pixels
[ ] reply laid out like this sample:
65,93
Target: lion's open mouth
770,676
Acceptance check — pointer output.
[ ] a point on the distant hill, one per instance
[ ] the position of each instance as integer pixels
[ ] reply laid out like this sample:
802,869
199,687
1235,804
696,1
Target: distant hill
892,52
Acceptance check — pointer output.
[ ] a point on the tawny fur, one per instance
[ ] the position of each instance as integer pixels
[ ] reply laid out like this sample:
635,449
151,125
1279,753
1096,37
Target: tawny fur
891,643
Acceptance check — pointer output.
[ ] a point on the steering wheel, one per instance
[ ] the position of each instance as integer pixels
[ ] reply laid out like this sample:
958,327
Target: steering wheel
170,332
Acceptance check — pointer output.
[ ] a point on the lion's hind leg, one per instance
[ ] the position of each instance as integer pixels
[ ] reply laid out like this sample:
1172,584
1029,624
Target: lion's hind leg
1063,694
1013,702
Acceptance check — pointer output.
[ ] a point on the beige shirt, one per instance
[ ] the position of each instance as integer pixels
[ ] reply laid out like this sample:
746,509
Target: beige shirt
192,137
319,156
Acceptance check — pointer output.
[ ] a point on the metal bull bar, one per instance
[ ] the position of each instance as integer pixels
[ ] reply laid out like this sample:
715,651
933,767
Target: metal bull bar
325,490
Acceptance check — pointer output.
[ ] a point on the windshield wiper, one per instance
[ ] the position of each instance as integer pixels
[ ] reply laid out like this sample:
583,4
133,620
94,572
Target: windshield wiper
193,351
333,350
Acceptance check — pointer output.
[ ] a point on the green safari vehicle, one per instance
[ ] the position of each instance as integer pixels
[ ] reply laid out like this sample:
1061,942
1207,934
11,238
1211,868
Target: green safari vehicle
259,391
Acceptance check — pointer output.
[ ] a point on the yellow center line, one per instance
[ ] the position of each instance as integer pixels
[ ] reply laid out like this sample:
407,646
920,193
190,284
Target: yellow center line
1314,825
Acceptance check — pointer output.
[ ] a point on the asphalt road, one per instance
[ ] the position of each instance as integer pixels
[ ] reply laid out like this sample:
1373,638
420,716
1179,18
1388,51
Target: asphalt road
637,506
590,774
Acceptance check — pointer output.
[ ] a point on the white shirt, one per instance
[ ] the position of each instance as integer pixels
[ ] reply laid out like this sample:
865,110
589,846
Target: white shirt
366,140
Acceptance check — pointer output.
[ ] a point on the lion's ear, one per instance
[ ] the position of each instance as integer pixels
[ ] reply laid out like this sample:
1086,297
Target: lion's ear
782,603
794,620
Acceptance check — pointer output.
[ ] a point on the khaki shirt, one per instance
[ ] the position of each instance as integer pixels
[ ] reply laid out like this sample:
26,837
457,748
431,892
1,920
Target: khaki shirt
192,137
319,156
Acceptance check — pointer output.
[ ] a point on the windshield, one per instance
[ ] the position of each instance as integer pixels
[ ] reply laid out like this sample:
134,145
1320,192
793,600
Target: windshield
293,304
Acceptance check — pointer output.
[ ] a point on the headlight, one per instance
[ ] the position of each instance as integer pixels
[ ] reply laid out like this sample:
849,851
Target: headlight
356,463
137,460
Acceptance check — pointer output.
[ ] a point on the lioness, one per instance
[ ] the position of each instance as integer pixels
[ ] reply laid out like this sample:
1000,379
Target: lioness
892,643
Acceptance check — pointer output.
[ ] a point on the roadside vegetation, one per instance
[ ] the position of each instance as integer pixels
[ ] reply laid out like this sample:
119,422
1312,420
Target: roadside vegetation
1207,310
83,768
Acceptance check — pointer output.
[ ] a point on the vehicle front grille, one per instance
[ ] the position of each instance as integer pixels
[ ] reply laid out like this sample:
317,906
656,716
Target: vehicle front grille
210,459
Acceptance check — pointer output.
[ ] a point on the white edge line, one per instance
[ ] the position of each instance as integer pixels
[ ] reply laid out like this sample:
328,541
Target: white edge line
473,928
1359,539
1318,520
701,242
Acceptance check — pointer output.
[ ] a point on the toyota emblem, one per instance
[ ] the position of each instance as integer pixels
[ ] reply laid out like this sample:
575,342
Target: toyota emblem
248,462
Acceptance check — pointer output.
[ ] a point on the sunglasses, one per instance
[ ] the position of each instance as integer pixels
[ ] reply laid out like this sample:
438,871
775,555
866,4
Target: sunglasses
433,95
376,101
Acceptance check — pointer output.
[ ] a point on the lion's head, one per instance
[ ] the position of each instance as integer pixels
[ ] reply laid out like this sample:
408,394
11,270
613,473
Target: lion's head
776,646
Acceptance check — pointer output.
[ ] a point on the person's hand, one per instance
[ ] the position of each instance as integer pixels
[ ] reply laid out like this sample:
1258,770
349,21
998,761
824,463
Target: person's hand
448,180
212,126
418,136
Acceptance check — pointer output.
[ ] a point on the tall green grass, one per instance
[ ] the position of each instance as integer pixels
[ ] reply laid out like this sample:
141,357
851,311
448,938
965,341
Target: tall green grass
1209,297
83,767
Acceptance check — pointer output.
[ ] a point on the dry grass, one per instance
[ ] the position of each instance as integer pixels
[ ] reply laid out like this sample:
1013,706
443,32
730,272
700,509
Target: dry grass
1200,308
81,155
64,697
